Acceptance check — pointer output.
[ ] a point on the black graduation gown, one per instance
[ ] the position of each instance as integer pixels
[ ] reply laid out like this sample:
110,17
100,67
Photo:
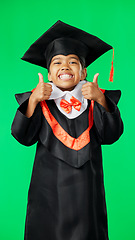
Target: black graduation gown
66,197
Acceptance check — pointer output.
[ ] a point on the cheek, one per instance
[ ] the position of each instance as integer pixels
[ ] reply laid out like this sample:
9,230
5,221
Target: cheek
49,76
52,73
80,73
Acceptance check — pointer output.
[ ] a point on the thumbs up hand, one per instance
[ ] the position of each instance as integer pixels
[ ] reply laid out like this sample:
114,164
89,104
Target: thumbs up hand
42,91
91,91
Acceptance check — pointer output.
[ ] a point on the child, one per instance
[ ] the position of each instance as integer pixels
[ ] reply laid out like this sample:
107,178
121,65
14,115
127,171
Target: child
70,119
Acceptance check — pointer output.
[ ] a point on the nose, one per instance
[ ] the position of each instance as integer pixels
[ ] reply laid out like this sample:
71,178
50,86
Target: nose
65,68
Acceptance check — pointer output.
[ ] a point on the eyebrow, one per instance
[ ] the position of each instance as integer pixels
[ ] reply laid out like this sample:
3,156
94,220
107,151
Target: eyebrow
58,58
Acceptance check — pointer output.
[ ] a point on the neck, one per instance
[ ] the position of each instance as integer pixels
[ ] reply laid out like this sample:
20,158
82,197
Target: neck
67,89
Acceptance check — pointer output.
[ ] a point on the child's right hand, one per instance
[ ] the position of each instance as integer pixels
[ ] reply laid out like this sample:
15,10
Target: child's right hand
42,91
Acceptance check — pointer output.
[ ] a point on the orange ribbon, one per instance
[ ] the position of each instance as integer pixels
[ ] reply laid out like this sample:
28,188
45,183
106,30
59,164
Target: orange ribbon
67,107
62,135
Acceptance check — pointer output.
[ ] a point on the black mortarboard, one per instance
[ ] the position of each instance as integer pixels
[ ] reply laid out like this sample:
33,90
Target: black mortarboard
65,39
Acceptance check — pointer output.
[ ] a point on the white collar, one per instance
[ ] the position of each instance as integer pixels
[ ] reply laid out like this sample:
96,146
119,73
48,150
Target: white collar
58,94
76,92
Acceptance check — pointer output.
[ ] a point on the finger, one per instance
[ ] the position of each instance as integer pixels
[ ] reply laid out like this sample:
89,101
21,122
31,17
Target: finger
95,79
86,92
85,89
86,96
48,85
40,78
47,92
86,85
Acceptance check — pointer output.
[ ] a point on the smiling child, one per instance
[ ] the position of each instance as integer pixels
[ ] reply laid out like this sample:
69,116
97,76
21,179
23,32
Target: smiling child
69,118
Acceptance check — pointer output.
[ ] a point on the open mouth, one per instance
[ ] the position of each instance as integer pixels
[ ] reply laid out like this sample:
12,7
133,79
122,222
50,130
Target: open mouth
65,76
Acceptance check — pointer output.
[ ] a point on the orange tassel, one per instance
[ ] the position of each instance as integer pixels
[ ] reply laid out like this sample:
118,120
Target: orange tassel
112,69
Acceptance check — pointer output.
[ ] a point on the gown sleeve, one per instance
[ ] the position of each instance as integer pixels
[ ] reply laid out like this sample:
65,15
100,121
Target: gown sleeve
25,130
109,125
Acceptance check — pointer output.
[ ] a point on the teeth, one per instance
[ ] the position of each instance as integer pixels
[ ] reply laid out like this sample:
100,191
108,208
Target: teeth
64,76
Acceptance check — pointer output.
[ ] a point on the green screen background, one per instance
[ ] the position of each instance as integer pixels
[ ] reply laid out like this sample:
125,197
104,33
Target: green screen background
21,24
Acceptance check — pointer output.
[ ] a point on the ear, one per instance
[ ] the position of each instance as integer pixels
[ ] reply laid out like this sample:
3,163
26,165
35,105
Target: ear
49,76
84,73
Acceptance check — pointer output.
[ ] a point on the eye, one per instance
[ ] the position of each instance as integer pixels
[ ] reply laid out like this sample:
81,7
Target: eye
72,62
57,62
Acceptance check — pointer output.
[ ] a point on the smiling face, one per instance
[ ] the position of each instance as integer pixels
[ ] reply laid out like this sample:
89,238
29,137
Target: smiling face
66,71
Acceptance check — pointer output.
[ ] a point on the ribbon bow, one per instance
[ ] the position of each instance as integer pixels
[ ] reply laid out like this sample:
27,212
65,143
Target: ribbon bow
67,107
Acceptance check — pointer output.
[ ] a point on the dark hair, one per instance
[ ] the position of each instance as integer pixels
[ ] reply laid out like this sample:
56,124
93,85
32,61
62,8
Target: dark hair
82,62
83,66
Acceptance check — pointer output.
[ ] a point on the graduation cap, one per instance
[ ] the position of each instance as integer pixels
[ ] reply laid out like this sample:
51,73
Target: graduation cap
65,39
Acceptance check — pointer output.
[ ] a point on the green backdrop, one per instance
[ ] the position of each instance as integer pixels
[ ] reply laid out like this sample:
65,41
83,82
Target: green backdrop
21,24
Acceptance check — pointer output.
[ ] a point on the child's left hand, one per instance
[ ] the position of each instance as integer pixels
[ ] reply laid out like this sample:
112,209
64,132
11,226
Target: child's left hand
91,91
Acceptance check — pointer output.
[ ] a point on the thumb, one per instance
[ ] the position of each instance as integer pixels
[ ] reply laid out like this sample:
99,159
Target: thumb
40,78
95,79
